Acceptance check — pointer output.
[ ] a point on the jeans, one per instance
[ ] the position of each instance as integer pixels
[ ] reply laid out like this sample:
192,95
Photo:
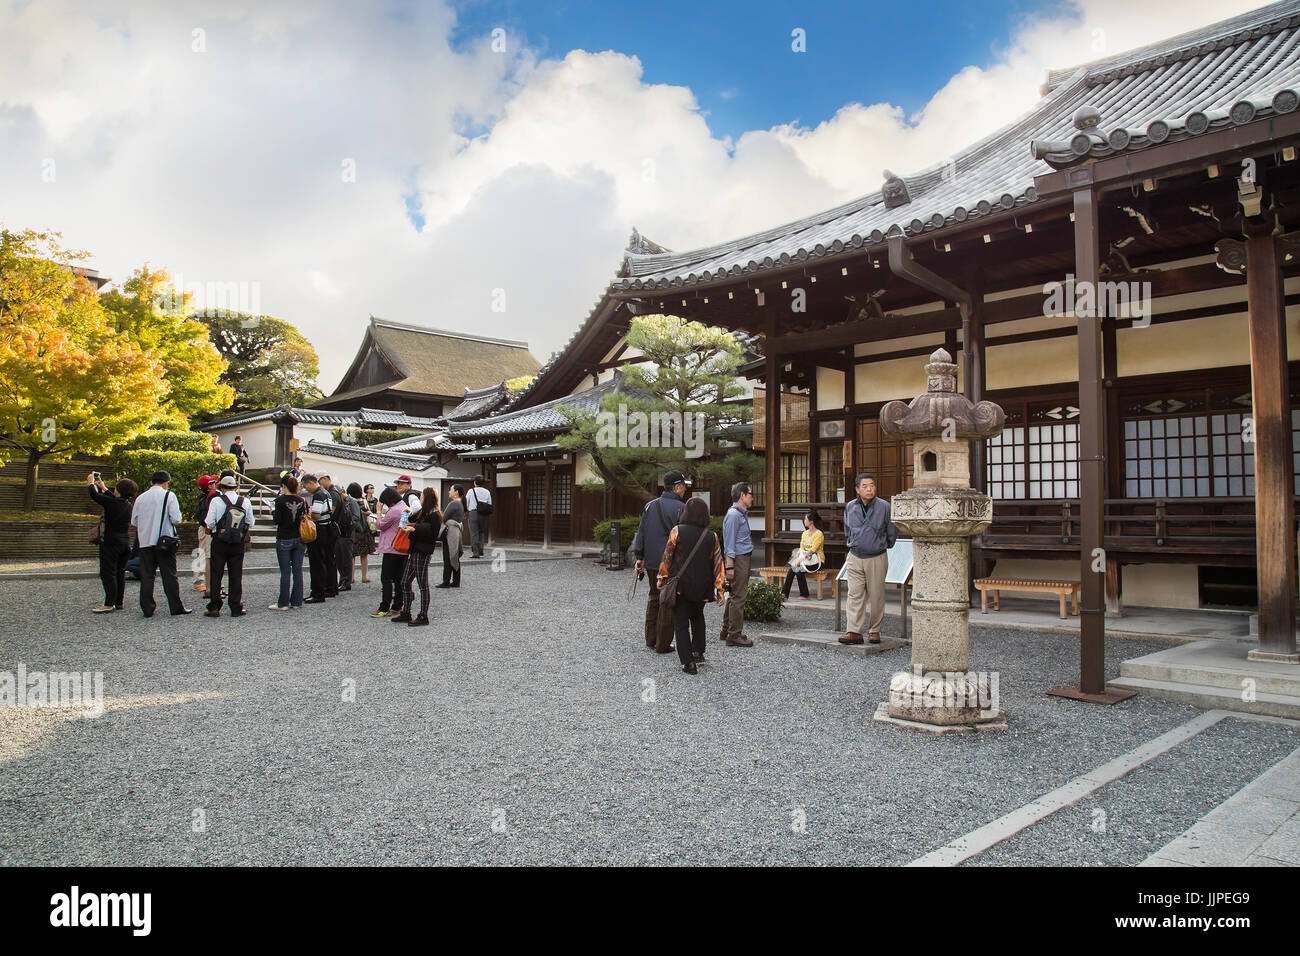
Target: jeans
289,552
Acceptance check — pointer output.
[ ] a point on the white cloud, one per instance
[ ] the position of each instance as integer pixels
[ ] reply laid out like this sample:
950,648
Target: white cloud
227,165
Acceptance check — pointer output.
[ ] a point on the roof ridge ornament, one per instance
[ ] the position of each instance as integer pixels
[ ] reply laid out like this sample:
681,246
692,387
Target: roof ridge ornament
642,246
894,192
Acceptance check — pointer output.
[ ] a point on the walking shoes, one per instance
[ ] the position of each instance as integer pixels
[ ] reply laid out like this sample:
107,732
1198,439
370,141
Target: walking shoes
853,637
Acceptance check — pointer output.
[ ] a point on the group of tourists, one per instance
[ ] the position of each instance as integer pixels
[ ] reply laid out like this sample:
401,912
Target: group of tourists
332,530
694,565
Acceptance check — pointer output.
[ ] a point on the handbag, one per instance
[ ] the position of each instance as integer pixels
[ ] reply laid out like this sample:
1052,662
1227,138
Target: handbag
668,593
402,541
167,543
801,560
96,534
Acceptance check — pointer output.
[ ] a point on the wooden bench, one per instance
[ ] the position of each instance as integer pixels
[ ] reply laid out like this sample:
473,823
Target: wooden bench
1062,589
777,576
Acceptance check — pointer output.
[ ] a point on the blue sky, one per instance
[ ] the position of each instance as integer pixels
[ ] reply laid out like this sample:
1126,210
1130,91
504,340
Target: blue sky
738,59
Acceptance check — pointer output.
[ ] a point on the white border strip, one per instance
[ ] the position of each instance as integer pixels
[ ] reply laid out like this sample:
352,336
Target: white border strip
977,841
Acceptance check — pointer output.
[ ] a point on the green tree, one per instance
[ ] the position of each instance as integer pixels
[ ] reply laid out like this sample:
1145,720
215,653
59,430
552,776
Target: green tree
68,382
154,318
669,411
269,362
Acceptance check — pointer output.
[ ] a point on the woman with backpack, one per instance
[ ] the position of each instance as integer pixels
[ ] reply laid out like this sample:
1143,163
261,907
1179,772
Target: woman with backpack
393,562
289,549
424,538
114,537
692,562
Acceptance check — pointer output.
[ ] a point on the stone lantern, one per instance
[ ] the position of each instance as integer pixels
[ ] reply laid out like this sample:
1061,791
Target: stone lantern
941,512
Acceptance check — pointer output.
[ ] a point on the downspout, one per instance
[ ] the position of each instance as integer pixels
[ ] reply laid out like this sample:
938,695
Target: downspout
904,266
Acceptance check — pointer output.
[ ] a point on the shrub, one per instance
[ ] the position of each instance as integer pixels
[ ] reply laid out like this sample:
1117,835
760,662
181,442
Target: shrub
362,437
184,467
167,441
763,602
627,530
715,525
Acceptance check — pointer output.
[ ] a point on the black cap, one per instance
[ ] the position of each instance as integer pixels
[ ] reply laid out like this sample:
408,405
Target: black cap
675,477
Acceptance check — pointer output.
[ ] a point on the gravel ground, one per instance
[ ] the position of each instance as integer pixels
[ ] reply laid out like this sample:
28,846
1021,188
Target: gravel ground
529,724
1125,822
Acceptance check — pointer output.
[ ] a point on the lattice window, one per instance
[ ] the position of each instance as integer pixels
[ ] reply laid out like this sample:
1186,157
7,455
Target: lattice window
1191,445
1037,454
794,477
561,493
536,490
830,471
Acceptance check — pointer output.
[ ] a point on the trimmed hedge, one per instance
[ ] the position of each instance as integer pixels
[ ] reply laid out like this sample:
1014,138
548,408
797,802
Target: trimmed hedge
363,437
168,441
627,530
185,467
762,601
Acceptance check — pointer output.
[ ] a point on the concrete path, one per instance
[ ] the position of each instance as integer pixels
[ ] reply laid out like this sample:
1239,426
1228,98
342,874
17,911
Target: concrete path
1258,826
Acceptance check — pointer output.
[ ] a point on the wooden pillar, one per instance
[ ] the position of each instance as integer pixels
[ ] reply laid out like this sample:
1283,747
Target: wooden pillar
850,464
973,386
547,511
1275,541
1114,438
814,452
1092,462
772,409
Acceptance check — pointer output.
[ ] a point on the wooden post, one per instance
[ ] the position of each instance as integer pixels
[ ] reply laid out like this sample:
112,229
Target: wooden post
772,409
547,509
1092,462
1270,391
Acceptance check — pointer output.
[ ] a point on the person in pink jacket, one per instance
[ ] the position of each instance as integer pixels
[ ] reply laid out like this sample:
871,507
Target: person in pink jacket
394,562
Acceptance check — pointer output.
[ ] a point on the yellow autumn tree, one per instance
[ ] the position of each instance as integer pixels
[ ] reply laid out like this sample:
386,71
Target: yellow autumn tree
69,382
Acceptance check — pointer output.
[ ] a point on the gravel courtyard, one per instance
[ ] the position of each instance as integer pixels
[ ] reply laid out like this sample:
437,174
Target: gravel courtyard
531,725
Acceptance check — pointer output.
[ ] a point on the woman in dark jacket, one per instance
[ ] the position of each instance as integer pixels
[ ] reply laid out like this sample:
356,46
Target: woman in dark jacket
703,580
455,512
114,539
424,538
289,549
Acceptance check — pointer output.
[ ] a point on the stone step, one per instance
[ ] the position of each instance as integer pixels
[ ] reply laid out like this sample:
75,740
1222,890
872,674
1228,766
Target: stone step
1220,665
1211,697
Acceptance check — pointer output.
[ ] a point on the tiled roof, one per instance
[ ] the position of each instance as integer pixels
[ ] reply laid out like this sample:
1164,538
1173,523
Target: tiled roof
398,460
537,419
363,418
1228,73
425,443
479,402
512,451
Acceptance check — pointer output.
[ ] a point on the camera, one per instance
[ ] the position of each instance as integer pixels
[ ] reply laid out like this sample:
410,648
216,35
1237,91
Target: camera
95,475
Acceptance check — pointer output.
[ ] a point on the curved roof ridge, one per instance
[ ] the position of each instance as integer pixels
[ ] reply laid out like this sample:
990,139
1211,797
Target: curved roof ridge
1274,17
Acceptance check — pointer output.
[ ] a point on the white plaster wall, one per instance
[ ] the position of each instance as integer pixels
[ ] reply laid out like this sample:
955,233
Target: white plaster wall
1145,585
259,442
830,389
1044,362
343,471
884,381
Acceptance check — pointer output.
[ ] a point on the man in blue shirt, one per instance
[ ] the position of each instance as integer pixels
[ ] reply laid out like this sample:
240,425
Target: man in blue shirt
869,533
737,549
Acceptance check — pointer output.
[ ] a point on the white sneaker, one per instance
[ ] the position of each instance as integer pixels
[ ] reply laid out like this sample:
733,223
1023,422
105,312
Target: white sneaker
276,607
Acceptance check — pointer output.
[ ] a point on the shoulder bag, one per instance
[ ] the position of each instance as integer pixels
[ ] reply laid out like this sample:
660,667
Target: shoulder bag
668,593
167,543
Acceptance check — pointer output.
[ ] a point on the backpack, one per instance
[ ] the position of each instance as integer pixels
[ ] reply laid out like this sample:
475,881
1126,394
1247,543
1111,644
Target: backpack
233,525
345,520
481,507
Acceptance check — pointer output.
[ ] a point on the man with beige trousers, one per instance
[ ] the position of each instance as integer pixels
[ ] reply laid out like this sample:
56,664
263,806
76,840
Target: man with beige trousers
869,533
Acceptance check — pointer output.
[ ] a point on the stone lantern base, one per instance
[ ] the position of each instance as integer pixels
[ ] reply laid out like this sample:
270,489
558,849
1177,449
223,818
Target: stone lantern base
943,702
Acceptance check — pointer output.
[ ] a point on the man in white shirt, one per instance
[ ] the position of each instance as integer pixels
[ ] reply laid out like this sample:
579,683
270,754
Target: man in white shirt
478,520
230,516
156,513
